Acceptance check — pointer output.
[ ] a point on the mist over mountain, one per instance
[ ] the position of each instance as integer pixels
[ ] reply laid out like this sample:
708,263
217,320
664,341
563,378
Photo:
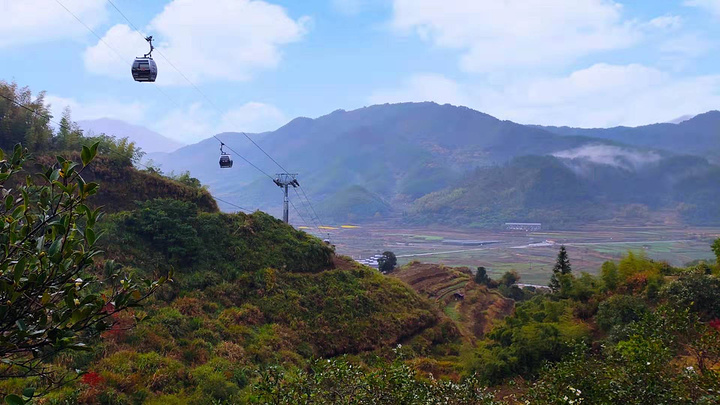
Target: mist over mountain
699,135
394,160
563,192
149,141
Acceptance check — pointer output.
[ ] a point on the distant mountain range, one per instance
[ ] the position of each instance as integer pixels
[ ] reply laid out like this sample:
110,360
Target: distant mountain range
149,141
380,161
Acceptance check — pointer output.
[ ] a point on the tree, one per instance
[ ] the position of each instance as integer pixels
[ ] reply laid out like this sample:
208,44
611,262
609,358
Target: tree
716,250
609,275
481,276
23,119
69,134
387,262
51,298
562,268
509,278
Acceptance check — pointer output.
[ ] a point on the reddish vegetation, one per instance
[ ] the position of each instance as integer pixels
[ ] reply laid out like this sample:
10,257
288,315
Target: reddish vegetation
91,378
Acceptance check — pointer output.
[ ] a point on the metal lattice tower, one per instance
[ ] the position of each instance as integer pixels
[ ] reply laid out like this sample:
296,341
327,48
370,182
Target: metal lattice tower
283,180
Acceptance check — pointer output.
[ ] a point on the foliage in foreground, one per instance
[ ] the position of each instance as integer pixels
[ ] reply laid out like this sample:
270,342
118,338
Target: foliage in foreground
338,381
51,296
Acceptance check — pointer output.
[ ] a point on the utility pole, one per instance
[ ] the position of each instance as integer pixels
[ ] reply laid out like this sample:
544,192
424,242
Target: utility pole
283,180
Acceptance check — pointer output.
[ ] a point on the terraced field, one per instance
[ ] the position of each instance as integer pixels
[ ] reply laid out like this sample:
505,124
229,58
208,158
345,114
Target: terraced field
473,307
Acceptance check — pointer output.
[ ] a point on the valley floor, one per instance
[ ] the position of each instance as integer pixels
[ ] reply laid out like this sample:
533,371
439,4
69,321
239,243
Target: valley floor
532,254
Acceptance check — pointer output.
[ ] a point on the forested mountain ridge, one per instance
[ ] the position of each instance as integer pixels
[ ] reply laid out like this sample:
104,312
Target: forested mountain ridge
564,192
397,152
386,161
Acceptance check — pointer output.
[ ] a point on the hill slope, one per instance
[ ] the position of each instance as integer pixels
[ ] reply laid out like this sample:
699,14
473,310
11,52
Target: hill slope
249,293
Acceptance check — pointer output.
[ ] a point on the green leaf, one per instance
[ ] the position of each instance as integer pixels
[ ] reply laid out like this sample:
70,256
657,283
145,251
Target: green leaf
21,325
90,236
28,392
13,399
93,149
89,187
86,155
55,247
19,269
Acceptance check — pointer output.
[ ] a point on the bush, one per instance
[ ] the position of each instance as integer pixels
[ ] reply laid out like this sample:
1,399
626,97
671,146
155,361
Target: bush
620,310
698,292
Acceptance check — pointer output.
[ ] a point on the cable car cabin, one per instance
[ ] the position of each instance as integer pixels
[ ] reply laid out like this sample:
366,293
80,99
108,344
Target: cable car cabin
225,162
144,70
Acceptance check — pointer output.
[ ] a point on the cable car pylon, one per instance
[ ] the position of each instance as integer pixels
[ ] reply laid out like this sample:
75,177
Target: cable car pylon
284,180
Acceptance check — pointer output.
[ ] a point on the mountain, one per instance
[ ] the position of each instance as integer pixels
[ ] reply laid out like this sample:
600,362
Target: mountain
149,141
569,189
387,161
393,152
699,135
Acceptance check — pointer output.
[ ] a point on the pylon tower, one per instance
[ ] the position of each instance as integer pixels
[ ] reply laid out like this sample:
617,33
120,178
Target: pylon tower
284,180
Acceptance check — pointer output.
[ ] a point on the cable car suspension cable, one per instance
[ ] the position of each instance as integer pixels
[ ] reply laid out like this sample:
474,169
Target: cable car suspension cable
307,211
193,85
117,54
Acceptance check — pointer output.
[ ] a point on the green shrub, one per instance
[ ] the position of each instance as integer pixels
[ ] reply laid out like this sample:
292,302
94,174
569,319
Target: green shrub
620,310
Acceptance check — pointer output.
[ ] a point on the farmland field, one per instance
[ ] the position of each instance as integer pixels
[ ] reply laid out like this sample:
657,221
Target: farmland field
532,254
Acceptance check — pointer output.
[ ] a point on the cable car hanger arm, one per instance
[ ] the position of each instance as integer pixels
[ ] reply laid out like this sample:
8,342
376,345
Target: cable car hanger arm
152,48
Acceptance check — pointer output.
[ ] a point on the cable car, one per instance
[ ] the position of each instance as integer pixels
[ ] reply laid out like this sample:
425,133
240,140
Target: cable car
144,68
225,159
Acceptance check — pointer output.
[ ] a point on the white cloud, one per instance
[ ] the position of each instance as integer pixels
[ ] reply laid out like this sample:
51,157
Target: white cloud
348,7
610,155
666,22
206,39
131,112
600,96
423,87
24,22
115,62
710,5
186,125
197,122
496,34
686,45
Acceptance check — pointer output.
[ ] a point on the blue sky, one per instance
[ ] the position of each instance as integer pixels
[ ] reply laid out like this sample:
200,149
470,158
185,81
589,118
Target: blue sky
262,63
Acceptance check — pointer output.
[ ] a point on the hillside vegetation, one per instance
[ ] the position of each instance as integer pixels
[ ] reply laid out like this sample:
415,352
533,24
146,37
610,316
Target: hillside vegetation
250,292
